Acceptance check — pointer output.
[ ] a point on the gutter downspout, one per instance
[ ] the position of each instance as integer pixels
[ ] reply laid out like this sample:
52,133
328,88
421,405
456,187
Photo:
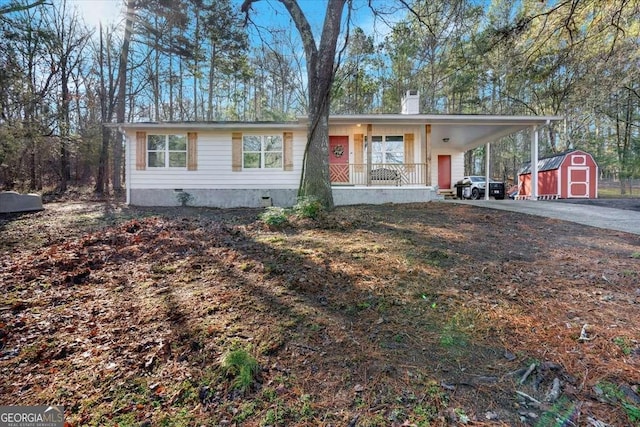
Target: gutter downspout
127,163
369,152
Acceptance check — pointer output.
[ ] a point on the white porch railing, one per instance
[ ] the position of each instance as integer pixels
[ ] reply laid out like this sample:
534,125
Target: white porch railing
392,174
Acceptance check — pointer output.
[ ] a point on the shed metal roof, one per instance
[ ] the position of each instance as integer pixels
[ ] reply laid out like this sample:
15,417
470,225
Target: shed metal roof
546,163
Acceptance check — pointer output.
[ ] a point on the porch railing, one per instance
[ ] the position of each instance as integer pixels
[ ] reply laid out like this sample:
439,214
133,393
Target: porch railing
392,174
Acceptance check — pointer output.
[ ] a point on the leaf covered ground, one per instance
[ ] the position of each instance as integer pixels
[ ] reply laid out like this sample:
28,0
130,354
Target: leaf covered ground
396,315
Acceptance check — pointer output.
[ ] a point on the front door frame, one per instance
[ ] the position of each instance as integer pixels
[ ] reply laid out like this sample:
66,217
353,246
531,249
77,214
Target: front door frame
444,171
339,159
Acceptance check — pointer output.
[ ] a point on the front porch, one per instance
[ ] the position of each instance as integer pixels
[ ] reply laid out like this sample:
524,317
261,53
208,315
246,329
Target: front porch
355,184
382,175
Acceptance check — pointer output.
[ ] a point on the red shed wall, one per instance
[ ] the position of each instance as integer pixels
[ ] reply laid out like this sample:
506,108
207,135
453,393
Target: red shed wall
579,175
547,183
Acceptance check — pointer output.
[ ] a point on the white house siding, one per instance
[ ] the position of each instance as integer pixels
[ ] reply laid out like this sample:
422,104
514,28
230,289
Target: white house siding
214,183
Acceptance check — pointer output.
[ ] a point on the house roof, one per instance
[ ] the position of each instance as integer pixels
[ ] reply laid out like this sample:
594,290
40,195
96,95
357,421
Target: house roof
546,163
200,126
458,132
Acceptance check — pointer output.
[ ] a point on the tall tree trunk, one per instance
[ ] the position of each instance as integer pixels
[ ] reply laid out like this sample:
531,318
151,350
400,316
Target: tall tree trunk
321,69
171,105
181,88
156,71
102,178
212,72
65,167
195,71
122,94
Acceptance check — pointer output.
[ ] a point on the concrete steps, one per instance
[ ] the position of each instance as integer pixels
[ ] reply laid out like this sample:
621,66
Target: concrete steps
448,194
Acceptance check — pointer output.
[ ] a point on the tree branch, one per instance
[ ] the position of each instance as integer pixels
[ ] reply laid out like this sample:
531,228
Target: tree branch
16,7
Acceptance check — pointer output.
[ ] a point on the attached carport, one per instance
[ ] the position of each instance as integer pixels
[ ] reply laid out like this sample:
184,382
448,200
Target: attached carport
469,132
459,132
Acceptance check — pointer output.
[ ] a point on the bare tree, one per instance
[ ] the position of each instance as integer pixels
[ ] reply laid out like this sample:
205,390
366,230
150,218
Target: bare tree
321,69
15,6
122,94
66,49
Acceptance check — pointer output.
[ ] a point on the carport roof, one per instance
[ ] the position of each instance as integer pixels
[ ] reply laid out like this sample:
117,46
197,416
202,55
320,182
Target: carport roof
459,132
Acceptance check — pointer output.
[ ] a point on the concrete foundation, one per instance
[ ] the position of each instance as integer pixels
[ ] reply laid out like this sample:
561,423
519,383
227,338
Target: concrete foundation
343,196
224,199
251,198
10,202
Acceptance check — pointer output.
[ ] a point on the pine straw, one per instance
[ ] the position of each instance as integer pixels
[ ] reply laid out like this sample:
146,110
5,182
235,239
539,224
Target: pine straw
371,313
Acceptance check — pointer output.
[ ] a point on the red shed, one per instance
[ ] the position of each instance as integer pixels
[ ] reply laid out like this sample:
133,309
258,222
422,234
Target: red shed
572,174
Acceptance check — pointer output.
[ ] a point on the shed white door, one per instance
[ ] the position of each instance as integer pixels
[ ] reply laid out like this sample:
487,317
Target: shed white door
578,181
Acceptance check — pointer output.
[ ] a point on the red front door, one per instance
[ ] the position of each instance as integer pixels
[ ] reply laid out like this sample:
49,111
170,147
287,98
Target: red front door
339,158
444,171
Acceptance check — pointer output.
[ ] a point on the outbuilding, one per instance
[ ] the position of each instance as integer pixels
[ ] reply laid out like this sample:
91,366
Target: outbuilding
567,175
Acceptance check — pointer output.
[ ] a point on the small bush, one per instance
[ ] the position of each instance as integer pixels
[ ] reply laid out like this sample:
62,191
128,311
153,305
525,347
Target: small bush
240,365
308,207
274,216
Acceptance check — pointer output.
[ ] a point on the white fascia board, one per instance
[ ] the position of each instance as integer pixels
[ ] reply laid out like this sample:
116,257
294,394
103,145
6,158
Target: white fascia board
439,119
203,126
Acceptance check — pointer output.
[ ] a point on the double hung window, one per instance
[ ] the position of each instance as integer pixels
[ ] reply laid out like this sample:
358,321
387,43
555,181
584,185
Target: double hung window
262,151
387,149
167,151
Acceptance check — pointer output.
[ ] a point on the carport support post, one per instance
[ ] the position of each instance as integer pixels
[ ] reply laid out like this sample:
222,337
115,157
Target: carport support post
487,151
534,163
369,152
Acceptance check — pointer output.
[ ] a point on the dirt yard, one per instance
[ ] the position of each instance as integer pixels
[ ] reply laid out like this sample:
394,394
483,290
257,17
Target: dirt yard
400,315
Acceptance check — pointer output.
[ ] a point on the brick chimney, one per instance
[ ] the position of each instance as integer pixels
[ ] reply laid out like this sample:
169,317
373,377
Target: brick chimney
411,102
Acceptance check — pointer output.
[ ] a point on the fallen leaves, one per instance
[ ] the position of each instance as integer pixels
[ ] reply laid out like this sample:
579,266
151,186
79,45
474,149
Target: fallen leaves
393,315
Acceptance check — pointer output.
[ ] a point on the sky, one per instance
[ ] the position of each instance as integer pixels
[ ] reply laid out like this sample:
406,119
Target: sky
265,12
95,11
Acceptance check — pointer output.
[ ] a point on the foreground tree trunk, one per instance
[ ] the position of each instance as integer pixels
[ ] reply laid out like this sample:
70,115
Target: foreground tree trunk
321,69
122,94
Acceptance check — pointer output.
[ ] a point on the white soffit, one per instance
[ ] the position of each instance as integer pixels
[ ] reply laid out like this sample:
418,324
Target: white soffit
457,132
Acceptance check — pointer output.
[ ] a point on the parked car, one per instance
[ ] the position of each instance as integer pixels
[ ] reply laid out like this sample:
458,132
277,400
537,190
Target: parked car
474,187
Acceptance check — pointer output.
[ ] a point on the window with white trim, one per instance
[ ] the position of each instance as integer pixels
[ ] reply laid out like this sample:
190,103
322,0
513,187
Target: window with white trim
167,151
262,151
387,149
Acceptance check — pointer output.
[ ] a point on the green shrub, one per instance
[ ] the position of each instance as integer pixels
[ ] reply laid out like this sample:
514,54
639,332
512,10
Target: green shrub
240,365
274,216
308,207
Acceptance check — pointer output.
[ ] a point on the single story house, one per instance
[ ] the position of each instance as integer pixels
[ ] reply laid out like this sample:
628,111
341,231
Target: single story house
373,158
567,175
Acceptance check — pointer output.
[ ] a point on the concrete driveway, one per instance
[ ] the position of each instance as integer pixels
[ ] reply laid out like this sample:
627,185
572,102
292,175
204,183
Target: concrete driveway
595,216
